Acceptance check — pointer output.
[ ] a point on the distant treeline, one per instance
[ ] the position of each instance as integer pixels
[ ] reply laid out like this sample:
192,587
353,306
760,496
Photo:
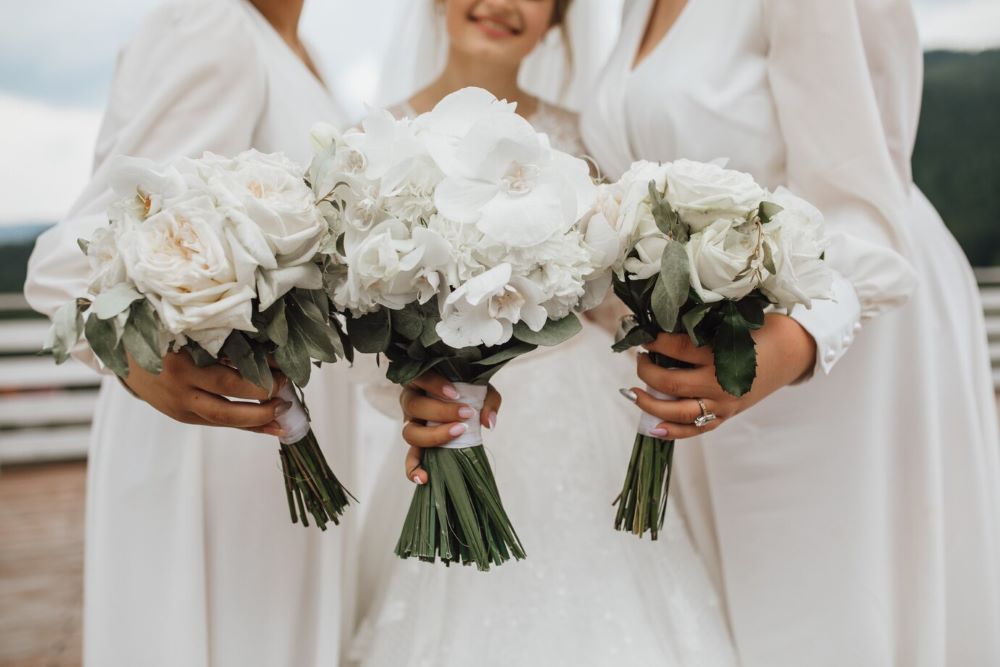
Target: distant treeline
957,157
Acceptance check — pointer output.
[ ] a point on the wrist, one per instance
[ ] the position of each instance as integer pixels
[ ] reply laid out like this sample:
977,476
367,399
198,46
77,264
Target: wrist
796,346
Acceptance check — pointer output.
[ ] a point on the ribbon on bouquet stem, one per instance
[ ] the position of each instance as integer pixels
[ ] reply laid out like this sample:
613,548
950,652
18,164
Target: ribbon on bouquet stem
474,396
295,422
648,422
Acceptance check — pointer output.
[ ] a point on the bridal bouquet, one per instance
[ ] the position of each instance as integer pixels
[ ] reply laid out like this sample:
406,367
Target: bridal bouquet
704,250
460,248
222,258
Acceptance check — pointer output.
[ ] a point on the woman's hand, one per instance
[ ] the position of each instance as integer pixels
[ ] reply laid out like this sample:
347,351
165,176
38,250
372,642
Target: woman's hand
193,395
785,353
427,399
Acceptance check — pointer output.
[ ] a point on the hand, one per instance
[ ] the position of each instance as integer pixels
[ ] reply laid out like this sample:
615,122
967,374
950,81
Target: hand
785,353
424,400
194,395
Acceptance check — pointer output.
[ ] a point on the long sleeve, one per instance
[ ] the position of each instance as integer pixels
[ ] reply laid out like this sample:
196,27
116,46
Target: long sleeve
190,81
843,157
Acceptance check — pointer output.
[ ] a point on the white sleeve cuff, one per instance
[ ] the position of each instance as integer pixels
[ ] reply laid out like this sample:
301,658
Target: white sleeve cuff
833,323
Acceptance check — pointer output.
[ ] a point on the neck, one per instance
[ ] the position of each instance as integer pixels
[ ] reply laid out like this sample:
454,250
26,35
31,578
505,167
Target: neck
462,71
283,15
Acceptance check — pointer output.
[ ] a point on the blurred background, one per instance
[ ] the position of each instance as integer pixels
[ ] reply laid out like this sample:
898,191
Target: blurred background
56,62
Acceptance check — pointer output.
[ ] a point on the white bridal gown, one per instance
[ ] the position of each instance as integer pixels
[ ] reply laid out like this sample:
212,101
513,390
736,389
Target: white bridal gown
586,595
191,558
854,519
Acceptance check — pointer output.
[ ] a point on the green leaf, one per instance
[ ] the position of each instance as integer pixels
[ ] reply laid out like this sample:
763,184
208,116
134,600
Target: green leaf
752,311
553,333
104,342
769,258
293,359
238,350
735,354
309,307
429,336
84,245
767,211
276,329
665,217
507,354
672,286
143,318
111,302
143,349
407,323
692,318
67,325
199,355
370,333
404,372
636,336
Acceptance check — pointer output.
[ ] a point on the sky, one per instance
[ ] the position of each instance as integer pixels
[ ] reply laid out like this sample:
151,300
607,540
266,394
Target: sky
57,59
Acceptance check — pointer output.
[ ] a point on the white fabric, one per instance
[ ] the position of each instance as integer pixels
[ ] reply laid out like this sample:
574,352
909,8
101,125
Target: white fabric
586,596
473,396
191,558
854,519
295,422
648,422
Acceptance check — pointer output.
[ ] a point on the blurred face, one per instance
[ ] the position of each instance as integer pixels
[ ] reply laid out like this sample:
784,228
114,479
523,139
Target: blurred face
500,31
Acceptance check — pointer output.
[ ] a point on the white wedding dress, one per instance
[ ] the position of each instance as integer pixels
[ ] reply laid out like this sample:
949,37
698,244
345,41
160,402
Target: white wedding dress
586,595
190,555
854,519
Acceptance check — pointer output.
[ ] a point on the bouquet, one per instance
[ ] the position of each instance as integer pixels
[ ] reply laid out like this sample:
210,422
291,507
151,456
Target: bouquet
223,258
704,250
461,247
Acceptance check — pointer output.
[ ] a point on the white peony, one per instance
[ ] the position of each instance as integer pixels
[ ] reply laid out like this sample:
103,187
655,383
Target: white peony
198,277
726,260
484,310
796,242
702,193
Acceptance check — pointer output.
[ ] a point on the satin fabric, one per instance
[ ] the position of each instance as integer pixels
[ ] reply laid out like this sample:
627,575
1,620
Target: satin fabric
854,519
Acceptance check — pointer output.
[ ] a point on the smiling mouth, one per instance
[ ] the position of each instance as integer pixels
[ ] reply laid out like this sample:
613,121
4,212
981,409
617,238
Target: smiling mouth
494,27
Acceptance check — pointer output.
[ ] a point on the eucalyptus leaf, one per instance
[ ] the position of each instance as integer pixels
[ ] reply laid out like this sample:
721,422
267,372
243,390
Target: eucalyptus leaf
664,215
553,333
407,323
84,245
769,259
768,210
507,354
276,329
67,325
429,336
308,306
144,354
404,372
672,286
143,317
104,342
370,334
199,355
692,318
239,351
115,300
293,359
735,353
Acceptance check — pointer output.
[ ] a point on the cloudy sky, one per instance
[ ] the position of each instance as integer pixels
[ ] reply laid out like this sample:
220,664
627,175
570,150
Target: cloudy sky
55,72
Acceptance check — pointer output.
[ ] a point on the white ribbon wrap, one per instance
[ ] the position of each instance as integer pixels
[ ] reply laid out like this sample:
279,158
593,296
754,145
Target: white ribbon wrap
474,396
648,422
295,422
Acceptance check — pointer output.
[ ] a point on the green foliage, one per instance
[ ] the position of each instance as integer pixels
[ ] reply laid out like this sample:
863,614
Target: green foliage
956,161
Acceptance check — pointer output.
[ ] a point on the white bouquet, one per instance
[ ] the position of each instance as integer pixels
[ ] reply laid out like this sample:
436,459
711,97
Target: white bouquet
222,258
704,250
460,247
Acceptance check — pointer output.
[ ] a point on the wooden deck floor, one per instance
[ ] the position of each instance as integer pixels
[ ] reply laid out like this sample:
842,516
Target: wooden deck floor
41,564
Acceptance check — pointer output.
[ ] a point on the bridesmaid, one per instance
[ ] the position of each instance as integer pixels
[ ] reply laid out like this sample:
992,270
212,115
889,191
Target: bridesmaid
854,519
190,556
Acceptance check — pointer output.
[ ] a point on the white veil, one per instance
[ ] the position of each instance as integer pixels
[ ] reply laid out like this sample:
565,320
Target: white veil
418,46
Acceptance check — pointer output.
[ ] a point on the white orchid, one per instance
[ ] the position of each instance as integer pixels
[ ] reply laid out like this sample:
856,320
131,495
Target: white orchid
484,310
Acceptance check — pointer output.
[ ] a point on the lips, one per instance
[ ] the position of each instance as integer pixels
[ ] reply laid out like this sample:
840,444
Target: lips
494,26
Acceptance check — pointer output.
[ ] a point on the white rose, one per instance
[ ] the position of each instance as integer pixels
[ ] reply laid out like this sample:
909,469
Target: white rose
648,258
484,310
107,268
275,217
796,241
193,272
703,192
144,186
726,261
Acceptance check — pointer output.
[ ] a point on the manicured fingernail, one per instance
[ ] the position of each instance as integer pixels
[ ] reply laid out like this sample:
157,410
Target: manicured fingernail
629,394
416,480
457,430
450,392
658,432
493,420
466,412
282,408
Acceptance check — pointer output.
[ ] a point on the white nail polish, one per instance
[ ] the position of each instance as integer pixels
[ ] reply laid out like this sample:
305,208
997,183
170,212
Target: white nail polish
416,480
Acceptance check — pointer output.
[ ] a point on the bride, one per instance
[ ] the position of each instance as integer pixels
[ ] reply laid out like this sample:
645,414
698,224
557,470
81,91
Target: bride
585,595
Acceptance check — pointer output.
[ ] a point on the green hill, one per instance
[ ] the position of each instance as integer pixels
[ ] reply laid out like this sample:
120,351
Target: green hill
957,157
